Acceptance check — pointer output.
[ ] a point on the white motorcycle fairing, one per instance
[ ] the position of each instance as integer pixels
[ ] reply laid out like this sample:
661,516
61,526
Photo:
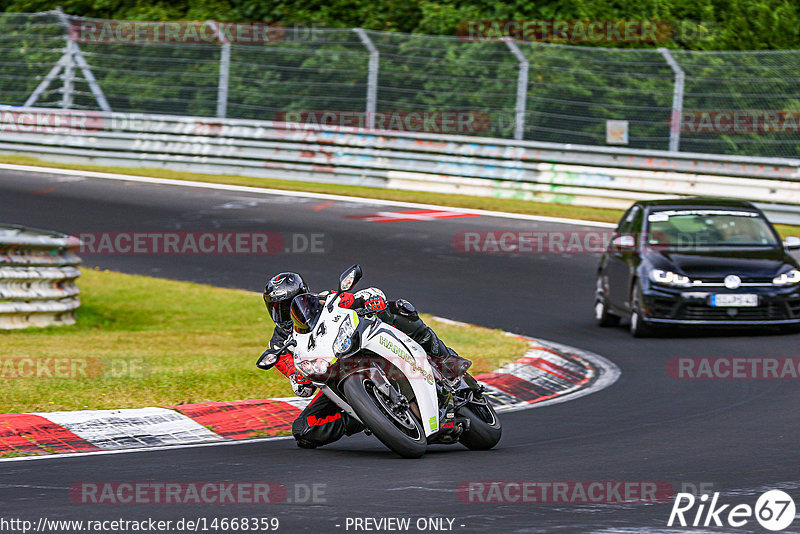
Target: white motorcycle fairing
379,338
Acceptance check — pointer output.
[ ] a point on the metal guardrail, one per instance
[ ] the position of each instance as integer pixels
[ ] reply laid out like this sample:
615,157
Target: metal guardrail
545,172
37,278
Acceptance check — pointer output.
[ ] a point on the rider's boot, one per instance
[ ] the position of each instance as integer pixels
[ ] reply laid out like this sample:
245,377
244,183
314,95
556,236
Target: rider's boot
446,360
352,425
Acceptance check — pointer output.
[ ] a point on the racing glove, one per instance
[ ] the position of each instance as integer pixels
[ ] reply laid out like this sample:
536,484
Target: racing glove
346,300
375,305
301,385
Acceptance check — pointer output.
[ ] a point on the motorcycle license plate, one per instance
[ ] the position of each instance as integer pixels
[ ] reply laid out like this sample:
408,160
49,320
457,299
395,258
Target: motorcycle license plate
742,301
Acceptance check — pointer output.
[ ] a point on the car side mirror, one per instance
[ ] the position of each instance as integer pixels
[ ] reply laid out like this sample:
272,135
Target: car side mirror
792,243
349,278
624,242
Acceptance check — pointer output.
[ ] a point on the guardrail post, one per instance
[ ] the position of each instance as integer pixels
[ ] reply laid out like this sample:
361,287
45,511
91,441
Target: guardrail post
372,76
677,101
522,89
224,70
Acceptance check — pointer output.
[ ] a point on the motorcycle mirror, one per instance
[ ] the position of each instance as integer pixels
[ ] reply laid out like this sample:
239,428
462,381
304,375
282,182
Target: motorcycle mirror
350,277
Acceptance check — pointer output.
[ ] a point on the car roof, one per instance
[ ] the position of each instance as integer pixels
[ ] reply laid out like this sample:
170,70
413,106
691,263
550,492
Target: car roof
693,202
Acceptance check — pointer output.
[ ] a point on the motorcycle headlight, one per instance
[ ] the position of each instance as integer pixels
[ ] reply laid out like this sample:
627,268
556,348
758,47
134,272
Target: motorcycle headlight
344,340
787,278
668,278
313,367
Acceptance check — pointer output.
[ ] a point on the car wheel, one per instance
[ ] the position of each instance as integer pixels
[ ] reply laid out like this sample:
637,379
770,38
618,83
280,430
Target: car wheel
792,329
639,326
603,316
601,313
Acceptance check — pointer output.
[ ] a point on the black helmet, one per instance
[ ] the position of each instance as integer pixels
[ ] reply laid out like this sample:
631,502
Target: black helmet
278,295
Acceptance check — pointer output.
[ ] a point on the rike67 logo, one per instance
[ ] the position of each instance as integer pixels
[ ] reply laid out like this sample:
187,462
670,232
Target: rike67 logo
774,510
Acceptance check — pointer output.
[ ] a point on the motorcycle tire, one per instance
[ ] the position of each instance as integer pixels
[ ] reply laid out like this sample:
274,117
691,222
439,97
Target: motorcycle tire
484,427
361,395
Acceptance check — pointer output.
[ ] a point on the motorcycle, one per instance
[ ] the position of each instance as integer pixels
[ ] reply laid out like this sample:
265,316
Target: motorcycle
380,376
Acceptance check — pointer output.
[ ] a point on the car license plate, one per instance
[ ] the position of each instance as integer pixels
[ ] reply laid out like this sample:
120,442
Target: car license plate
742,300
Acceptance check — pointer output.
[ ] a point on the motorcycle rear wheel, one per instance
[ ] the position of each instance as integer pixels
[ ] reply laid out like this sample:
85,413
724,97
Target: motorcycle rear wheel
402,433
484,427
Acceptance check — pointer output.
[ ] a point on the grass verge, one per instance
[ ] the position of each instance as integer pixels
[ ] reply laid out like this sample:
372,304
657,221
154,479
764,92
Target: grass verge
145,341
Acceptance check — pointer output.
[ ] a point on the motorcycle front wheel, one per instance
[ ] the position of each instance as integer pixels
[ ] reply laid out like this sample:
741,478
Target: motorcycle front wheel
398,429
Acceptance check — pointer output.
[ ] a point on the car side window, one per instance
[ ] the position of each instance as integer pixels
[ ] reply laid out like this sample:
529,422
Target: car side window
637,222
626,225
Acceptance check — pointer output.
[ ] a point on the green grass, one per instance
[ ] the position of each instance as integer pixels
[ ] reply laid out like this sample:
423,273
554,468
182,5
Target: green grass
143,341
16,454
461,201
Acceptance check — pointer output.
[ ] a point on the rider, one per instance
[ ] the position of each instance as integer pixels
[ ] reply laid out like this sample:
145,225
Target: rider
323,421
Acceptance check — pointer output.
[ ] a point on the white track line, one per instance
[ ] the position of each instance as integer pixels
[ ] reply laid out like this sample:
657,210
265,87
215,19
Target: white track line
143,449
301,194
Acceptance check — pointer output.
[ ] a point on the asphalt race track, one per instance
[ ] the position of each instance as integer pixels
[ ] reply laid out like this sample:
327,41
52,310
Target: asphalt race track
741,436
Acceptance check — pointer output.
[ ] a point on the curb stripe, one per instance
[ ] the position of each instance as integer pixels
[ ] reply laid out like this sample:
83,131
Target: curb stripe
27,433
543,376
243,419
142,427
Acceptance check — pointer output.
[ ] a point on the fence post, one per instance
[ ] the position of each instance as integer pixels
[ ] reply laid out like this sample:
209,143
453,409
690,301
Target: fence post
69,76
522,89
45,83
224,70
677,101
372,76
72,57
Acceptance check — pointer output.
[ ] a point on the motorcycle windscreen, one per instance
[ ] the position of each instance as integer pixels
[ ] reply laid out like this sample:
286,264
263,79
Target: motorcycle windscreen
306,309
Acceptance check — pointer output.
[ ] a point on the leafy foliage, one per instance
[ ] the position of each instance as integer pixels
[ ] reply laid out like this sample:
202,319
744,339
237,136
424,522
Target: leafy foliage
726,24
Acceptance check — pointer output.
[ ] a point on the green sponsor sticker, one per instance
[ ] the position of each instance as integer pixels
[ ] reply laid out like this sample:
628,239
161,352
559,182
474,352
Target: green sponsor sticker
432,423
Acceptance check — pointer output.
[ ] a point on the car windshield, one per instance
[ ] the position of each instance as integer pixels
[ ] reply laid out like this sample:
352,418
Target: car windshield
306,309
688,228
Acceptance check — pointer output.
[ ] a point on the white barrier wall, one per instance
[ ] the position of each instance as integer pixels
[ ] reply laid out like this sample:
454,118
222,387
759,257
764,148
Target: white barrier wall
544,172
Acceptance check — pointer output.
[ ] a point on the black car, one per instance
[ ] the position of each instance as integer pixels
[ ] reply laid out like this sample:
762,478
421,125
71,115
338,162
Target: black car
697,261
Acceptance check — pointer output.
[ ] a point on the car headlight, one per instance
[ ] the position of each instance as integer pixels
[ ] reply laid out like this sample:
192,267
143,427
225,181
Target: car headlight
668,278
344,340
787,278
313,367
